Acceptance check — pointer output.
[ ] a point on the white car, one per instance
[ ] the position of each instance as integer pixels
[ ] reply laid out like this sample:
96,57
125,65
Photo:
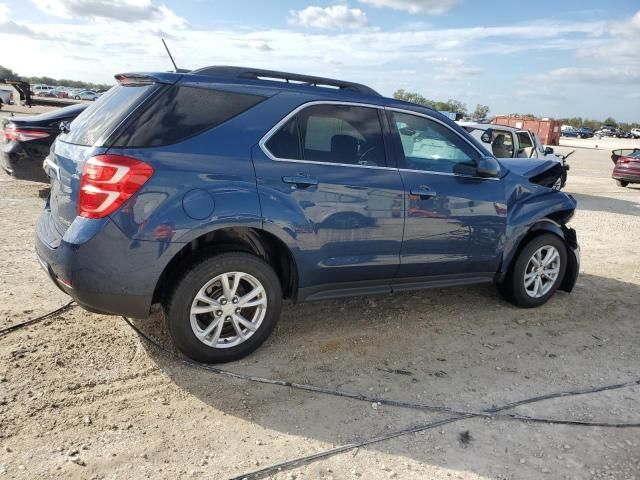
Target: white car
86,95
635,132
510,142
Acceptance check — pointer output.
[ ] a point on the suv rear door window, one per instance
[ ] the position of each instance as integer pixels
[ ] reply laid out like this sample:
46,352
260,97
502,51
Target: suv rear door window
331,133
181,112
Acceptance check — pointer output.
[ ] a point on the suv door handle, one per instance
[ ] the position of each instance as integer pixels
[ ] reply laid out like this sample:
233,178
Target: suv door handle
301,181
423,192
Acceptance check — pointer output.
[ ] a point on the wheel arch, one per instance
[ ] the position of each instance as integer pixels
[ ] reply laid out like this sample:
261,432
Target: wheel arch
250,240
567,235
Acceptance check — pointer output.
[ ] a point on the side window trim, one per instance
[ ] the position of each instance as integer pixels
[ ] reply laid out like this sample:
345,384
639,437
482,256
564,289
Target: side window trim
397,144
433,119
267,136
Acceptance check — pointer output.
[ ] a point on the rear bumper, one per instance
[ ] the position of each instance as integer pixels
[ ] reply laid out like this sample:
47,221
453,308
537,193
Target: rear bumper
99,267
629,174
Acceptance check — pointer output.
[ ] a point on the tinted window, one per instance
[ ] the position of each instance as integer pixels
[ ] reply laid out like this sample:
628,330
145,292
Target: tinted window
106,113
285,143
182,112
331,134
427,145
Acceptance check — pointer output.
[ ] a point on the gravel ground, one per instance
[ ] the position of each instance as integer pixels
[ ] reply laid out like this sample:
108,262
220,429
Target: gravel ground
82,397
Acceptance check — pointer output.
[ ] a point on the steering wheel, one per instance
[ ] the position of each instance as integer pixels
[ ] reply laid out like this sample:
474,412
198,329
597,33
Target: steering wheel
361,160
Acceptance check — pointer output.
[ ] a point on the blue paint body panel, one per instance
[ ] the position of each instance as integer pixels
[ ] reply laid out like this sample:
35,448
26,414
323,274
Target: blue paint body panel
355,230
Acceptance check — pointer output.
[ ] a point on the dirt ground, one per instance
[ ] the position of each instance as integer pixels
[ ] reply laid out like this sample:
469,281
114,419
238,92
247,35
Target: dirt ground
81,396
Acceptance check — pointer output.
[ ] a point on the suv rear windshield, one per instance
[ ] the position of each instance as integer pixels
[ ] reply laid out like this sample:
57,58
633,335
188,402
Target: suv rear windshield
180,112
102,117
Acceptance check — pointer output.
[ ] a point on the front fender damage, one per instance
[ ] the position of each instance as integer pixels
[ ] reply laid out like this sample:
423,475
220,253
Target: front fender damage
533,209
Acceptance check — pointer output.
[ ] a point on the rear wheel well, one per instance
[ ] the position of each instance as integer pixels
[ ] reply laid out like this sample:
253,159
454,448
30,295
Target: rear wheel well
237,239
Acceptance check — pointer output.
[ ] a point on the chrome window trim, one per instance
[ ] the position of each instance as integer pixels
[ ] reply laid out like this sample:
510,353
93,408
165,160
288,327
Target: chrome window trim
432,172
262,143
267,136
433,119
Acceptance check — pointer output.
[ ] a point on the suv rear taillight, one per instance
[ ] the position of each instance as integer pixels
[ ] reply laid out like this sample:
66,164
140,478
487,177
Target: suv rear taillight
13,133
108,181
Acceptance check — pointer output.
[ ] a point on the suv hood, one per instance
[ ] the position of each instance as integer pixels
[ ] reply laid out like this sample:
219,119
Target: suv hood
547,173
528,167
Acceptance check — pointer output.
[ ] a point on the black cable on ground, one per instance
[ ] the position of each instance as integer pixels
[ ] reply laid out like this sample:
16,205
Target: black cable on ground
301,461
489,412
12,328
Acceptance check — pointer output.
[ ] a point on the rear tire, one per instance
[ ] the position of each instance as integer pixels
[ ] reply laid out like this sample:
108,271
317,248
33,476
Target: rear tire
622,183
222,324
530,285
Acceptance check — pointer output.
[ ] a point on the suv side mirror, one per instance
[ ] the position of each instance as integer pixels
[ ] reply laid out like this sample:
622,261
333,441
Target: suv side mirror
487,136
488,167
548,150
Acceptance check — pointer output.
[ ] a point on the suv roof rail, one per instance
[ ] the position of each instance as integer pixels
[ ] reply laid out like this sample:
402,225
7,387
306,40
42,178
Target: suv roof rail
295,78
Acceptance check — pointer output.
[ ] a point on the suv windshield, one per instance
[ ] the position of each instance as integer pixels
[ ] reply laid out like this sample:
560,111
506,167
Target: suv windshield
107,112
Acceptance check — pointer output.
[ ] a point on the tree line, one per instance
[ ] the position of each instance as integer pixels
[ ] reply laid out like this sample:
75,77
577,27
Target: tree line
8,74
481,112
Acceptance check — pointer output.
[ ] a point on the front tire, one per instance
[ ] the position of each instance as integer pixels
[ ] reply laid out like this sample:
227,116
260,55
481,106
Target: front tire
622,183
537,272
224,307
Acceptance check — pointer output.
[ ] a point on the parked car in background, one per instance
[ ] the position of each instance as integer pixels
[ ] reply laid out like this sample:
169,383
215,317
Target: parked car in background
39,88
27,141
577,132
212,193
609,131
509,142
60,93
627,166
86,95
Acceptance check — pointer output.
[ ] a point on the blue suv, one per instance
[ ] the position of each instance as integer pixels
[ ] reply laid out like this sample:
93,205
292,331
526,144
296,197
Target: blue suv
222,191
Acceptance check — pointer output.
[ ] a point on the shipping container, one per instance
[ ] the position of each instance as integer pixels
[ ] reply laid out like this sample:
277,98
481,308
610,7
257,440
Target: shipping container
547,130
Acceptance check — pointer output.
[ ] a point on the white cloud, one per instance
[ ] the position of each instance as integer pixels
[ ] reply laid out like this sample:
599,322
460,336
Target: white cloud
440,63
4,12
433,7
335,16
122,10
605,74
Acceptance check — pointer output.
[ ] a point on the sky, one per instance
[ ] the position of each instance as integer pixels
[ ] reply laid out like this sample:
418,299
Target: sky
550,58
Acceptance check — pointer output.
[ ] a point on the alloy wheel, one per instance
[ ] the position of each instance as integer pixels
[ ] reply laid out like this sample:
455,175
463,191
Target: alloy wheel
228,309
542,271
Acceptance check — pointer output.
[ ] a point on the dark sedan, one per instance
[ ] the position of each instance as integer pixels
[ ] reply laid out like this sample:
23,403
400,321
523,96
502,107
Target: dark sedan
627,166
27,141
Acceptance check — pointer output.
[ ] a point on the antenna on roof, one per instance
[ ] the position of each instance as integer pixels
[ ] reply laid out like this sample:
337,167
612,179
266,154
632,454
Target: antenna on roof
176,69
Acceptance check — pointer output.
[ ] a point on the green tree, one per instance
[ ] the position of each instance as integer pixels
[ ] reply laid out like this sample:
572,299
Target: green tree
480,113
455,106
8,74
413,97
610,121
